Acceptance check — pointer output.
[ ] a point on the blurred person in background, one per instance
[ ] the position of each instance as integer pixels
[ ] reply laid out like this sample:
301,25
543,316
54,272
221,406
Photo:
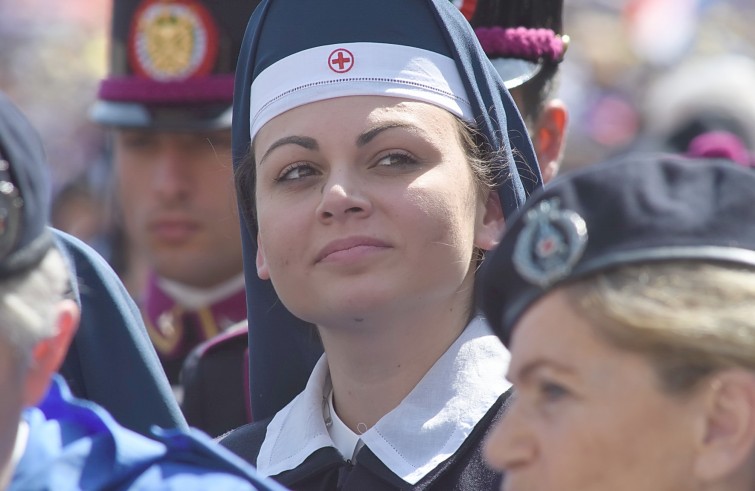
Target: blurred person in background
625,292
525,42
77,210
167,99
703,105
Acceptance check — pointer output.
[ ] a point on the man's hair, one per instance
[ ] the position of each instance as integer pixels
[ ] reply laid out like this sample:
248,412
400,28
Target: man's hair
28,304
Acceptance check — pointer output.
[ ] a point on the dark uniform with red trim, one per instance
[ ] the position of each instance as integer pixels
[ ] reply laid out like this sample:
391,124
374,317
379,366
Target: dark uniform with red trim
176,330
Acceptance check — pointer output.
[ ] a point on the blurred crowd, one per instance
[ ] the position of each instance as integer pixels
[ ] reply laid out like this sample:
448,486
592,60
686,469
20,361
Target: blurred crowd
638,71
641,74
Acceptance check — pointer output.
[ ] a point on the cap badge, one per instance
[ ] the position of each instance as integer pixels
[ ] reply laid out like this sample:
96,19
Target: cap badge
550,244
10,210
172,40
467,7
341,60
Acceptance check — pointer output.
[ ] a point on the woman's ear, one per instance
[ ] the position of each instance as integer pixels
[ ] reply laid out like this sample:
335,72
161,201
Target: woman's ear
490,229
48,354
727,442
262,270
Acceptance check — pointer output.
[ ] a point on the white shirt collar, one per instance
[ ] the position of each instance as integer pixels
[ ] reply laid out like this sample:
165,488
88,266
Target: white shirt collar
189,297
346,441
426,428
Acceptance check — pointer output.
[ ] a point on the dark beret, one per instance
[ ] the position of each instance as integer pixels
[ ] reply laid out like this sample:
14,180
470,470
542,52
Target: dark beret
637,209
24,193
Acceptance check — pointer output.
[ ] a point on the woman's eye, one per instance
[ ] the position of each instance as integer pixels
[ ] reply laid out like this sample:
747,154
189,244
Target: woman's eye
551,391
296,171
396,159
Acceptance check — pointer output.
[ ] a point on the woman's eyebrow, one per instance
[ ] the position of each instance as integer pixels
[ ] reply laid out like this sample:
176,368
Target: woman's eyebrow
522,374
370,134
302,141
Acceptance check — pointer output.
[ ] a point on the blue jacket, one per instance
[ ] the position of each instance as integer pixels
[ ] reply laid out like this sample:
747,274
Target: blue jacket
74,444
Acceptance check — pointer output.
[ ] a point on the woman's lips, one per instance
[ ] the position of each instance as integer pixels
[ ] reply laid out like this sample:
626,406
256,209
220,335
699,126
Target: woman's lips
350,249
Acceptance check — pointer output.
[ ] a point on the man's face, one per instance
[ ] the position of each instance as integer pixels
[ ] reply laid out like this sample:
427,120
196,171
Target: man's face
179,205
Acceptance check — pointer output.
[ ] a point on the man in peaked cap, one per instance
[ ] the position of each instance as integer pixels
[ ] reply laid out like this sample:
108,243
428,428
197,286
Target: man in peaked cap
168,100
525,42
48,439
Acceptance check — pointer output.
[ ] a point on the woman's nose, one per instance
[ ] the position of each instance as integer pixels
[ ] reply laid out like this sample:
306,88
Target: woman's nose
342,198
510,444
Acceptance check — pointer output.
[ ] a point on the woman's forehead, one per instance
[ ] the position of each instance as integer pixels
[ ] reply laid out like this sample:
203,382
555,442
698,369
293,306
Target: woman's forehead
357,113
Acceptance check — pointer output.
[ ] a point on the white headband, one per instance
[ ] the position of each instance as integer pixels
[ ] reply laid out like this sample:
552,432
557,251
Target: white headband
349,69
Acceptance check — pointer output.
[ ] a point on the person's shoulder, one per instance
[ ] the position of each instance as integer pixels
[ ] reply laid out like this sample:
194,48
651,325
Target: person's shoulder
89,437
194,461
245,441
234,338
77,250
233,342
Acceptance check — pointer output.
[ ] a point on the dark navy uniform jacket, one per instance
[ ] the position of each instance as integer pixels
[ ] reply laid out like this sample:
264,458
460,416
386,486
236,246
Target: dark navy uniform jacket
111,360
215,380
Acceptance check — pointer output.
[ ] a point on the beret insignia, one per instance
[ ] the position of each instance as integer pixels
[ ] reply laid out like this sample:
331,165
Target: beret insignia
550,244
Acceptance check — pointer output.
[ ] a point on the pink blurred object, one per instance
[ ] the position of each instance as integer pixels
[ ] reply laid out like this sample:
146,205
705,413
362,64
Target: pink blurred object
521,42
721,144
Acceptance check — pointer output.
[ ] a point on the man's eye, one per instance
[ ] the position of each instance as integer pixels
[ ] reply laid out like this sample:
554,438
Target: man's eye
296,171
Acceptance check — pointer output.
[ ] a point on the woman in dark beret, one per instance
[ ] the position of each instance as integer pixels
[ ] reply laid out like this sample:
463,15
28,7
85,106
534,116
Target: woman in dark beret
626,294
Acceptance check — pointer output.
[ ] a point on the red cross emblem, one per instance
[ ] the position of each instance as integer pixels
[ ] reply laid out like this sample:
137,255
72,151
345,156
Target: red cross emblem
341,60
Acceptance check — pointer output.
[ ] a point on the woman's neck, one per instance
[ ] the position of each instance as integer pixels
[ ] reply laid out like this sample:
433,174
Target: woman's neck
375,364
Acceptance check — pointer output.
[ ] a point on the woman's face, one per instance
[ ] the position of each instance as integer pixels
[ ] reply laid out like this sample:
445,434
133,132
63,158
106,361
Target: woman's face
586,415
367,207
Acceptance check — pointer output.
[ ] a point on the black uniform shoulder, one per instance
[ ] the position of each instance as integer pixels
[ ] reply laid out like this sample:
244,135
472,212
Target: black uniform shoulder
245,441
215,381
233,341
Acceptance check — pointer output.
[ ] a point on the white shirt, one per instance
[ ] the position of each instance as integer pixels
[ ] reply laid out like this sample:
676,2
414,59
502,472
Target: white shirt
424,430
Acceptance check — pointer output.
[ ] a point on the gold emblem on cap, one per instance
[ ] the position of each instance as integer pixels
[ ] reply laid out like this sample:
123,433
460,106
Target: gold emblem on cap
173,39
169,42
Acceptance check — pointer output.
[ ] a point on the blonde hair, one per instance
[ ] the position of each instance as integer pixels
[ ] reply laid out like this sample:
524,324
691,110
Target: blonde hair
28,304
690,319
